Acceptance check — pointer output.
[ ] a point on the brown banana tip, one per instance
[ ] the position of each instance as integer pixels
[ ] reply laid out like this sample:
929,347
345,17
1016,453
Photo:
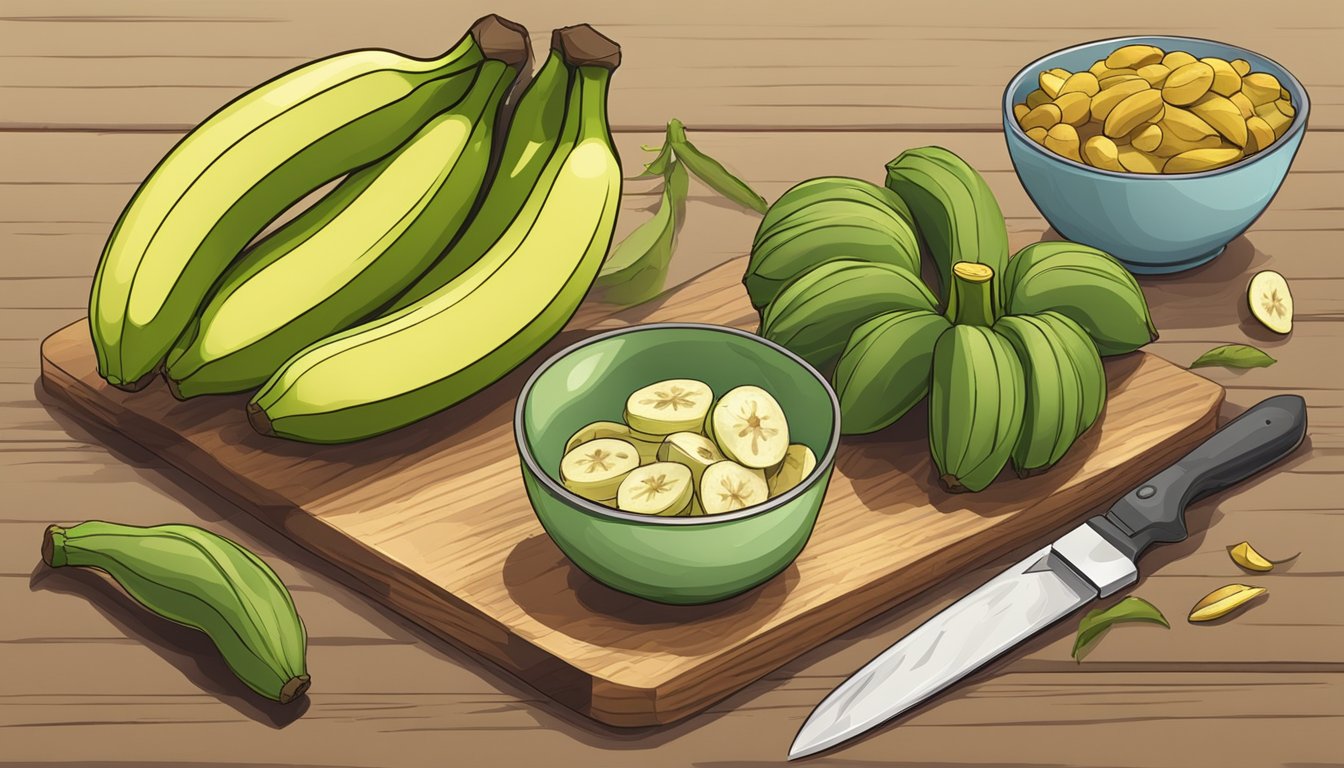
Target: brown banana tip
138,384
952,484
503,40
583,46
49,546
256,416
296,687
173,387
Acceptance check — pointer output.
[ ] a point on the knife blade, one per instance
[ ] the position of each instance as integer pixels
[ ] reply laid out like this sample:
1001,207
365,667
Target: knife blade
1092,561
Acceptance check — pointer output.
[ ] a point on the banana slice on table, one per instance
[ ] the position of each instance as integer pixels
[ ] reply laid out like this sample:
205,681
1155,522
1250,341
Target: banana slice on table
692,449
749,427
727,486
798,463
595,469
1271,301
647,445
674,405
661,488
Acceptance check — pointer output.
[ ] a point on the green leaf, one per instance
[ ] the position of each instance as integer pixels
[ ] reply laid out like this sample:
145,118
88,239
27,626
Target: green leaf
658,167
636,268
1098,621
1234,356
710,171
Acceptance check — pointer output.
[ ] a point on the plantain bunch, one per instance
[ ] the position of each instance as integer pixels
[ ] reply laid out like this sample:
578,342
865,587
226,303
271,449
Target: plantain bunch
1008,351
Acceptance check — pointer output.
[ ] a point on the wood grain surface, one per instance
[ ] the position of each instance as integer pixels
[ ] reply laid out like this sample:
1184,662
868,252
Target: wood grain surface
435,520
96,91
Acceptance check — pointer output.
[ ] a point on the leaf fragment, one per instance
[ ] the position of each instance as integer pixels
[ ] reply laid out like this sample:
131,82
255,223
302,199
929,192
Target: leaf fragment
636,268
1234,356
1247,557
1223,601
1096,622
657,166
711,171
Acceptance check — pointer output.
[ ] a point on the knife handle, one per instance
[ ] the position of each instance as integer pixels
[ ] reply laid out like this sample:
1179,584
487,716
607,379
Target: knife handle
1155,511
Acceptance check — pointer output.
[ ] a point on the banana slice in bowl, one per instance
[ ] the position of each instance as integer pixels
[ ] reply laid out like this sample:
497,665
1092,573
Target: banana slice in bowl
662,488
749,427
595,469
798,463
727,486
665,407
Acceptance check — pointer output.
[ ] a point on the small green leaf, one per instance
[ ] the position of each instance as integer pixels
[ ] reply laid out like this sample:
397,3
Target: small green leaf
710,171
658,166
1234,356
636,269
1098,621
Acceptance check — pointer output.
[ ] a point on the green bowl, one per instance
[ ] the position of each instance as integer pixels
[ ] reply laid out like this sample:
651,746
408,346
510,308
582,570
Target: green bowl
677,560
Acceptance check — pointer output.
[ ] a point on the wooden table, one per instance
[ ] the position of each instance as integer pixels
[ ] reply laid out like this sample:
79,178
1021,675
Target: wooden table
94,92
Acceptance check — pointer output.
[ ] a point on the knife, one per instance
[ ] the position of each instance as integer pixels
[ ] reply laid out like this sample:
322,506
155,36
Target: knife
1092,561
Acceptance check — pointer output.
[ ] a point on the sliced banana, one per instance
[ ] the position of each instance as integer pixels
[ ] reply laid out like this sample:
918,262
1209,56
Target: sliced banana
661,488
595,469
749,427
692,449
647,445
1271,302
798,463
694,510
674,405
727,486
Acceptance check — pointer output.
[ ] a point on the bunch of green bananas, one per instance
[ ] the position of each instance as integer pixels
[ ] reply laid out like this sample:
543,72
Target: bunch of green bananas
415,282
1009,354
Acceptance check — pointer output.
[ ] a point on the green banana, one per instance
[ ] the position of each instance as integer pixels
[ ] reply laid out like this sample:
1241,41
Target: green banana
1052,418
812,191
204,581
977,395
825,231
444,348
528,148
814,315
245,165
1074,342
956,212
347,255
884,369
1088,286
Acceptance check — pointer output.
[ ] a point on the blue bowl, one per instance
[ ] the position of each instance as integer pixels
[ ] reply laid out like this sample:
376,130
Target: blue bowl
1153,223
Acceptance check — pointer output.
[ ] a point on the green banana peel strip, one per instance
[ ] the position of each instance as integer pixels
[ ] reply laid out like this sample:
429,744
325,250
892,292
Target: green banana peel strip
711,171
636,270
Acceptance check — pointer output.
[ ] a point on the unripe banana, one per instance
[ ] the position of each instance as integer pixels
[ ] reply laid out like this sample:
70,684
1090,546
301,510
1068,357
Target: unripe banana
1082,353
435,352
247,163
1085,284
826,230
348,255
884,369
206,582
1052,418
812,191
975,406
815,314
958,216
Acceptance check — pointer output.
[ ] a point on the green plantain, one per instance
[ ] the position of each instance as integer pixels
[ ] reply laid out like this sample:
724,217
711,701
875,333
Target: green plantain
1085,284
812,191
814,315
956,212
462,337
347,255
244,166
203,581
884,369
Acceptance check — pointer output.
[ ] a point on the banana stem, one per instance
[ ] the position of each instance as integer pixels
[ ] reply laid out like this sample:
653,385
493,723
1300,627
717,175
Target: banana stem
971,300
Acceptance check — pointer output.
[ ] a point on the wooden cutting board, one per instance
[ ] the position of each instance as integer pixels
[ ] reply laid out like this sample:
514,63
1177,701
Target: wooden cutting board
434,520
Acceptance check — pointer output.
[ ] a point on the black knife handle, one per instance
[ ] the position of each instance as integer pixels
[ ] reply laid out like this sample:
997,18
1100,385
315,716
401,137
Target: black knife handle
1155,511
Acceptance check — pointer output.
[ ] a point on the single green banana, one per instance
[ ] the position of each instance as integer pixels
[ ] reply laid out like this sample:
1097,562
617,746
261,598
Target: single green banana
244,166
444,348
346,256
825,231
1074,342
977,396
815,314
1087,285
812,191
204,581
955,209
534,129
1052,417
884,369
